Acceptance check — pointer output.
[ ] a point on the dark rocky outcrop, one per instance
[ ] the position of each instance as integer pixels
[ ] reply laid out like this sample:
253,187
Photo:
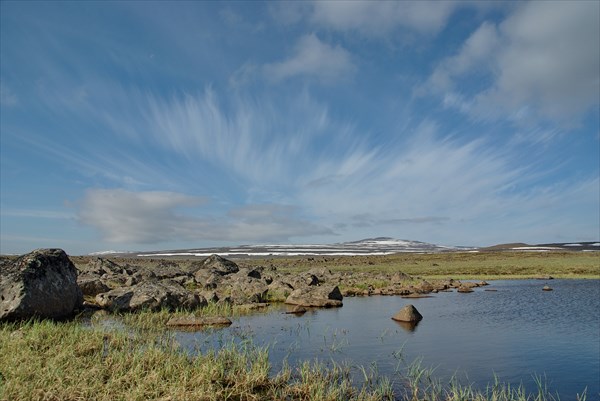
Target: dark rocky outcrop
91,286
321,296
408,314
165,294
220,265
245,290
42,284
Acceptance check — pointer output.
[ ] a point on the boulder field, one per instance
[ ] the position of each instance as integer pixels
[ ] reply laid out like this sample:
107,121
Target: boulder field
46,283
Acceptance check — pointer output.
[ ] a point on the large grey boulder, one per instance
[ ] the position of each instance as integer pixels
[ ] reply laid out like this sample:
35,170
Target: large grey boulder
165,294
248,290
320,296
42,283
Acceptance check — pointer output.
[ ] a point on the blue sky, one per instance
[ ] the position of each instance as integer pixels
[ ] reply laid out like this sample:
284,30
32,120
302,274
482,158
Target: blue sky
163,125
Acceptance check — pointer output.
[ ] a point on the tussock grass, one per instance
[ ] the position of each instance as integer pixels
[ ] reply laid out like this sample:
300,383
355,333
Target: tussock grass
46,360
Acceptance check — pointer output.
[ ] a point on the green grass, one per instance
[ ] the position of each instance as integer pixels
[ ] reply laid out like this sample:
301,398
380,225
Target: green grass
67,361
459,265
45,360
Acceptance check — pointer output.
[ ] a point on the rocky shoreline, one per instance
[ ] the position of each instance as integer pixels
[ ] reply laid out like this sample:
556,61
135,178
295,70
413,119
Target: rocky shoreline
123,286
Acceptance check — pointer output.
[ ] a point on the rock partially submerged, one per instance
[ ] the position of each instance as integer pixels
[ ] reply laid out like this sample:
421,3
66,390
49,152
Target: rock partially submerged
546,288
42,283
408,314
297,310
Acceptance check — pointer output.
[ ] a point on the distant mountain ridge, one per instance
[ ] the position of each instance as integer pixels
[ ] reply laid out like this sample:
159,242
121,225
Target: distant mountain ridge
555,246
368,246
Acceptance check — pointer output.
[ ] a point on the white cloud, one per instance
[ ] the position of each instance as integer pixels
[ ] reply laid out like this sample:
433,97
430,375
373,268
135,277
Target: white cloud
313,58
474,53
128,217
378,18
137,217
544,61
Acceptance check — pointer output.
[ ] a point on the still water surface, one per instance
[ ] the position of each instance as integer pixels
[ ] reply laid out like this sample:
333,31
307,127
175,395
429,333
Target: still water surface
515,332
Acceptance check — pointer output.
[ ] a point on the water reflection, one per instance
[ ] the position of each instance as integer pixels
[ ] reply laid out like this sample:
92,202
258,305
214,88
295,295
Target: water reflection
408,326
514,333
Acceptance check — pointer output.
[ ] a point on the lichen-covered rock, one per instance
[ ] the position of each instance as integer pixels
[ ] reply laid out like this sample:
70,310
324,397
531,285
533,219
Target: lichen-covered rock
323,296
220,265
91,285
248,290
42,283
165,294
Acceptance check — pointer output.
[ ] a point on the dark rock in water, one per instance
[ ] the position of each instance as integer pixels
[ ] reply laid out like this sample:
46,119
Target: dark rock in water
220,265
198,322
165,294
324,296
42,283
408,314
464,289
546,288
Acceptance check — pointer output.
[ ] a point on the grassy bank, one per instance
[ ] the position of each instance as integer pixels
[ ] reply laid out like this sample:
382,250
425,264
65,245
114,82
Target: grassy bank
458,265
68,361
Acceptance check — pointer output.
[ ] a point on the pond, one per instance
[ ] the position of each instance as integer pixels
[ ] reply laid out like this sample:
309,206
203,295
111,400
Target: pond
515,332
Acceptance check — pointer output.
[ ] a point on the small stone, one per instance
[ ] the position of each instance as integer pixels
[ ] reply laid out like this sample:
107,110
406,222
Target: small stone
546,288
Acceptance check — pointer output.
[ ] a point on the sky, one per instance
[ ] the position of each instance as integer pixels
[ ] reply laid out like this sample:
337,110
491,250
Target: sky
170,125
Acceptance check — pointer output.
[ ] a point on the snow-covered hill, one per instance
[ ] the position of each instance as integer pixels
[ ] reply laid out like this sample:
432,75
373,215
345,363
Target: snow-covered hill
371,246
